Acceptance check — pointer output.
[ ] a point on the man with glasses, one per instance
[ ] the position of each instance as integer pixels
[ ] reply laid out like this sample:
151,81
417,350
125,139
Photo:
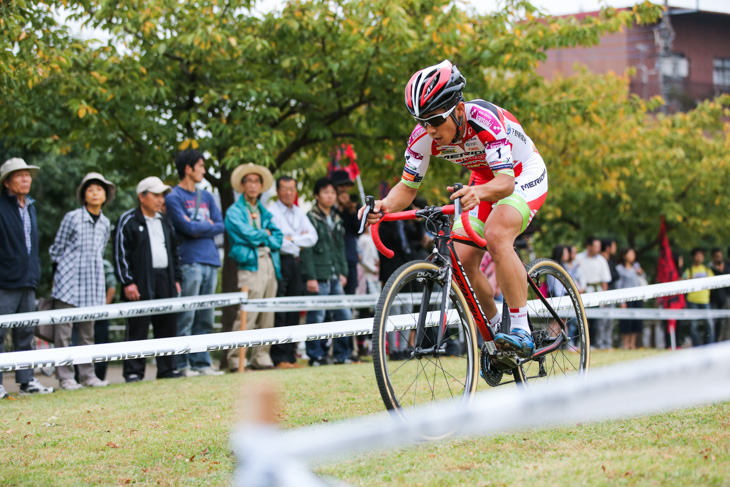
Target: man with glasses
508,185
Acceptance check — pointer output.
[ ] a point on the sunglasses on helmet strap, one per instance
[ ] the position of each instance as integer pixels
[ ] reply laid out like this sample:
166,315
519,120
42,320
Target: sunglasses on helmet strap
435,120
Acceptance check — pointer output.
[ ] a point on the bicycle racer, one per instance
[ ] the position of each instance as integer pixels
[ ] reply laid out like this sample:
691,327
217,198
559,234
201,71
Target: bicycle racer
508,185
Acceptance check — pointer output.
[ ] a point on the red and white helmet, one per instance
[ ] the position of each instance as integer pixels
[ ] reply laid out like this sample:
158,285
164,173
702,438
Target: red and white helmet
435,87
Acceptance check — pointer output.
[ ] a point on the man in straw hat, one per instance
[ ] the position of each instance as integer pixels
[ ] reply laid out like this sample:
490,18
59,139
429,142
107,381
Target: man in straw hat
79,281
20,266
147,265
255,242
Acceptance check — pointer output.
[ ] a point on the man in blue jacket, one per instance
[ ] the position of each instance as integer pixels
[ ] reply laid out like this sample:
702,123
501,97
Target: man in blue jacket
20,266
197,220
255,242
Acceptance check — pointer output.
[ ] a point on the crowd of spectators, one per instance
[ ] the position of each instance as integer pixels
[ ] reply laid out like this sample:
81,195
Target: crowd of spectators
599,267
165,247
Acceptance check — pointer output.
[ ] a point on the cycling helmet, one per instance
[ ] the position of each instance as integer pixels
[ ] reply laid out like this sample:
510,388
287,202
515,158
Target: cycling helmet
435,87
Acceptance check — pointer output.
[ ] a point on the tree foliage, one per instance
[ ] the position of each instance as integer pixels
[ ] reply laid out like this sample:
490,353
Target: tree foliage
277,89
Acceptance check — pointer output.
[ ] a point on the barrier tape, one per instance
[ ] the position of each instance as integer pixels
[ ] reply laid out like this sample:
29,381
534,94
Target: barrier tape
670,381
122,310
307,303
158,347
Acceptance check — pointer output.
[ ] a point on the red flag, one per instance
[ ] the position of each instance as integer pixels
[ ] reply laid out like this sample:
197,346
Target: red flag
667,271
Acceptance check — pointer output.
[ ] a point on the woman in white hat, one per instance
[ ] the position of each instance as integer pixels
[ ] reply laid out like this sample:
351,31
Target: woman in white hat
78,281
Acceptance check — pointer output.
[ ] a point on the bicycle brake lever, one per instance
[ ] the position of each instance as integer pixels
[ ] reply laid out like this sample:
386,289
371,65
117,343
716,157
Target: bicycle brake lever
370,206
457,201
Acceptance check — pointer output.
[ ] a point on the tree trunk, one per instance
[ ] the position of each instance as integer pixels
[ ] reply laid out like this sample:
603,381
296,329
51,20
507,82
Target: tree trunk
229,279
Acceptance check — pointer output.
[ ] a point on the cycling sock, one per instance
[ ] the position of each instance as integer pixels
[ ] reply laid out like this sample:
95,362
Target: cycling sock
518,319
497,319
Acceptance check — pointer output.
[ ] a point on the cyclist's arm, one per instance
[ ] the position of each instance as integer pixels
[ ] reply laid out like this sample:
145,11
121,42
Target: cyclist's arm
399,198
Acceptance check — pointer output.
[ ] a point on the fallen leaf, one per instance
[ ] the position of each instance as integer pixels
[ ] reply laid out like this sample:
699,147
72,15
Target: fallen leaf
604,468
111,444
28,422
192,458
205,451
145,470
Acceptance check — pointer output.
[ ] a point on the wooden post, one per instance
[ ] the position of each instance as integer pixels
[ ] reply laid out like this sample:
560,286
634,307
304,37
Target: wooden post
242,351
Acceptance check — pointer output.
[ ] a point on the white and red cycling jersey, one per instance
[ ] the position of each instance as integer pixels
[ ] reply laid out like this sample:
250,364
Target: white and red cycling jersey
494,143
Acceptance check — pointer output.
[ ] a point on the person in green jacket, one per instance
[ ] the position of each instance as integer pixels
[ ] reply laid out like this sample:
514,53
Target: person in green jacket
324,269
255,242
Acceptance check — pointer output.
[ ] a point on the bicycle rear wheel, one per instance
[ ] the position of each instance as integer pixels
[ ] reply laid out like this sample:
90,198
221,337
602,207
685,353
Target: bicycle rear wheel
572,357
405,376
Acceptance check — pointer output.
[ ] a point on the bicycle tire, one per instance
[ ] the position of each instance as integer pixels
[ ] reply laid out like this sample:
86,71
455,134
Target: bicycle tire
574,356
400,303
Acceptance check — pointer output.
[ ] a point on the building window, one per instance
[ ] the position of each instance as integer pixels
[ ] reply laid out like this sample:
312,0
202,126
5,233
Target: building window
721,73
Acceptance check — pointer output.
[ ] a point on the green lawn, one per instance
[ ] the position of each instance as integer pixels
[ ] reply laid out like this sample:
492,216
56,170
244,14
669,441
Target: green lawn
176,432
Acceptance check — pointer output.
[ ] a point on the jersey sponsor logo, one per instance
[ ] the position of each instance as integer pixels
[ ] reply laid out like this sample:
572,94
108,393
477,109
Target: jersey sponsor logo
506,165
468,155
519,135
411,176
472,144
509,129
535,182
447,150
415,155
486,119
497,144
417,133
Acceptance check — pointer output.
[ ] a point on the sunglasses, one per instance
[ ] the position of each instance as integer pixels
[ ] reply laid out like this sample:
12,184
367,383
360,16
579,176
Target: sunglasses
436,120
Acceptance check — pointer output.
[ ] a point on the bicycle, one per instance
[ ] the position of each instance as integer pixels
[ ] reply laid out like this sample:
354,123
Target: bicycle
425,340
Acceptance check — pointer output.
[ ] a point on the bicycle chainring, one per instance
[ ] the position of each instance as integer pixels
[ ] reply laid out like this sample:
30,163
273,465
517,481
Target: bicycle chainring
490,374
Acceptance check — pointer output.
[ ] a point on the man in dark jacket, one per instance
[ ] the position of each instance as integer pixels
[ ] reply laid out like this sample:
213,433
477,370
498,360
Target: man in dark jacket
20,266
324,269
147,265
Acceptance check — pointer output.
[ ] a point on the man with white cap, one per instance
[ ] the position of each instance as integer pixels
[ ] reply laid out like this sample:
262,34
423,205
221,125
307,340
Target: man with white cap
20,265
146,263
255,242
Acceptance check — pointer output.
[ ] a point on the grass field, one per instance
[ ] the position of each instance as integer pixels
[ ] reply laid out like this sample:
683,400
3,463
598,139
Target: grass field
176,432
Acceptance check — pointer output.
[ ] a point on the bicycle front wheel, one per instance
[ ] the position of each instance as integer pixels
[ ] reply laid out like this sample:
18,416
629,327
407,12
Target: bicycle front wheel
408,374
573,357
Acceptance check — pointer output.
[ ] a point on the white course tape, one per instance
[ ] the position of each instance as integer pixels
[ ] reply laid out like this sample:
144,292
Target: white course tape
107,352
670,381
650,313
306,303
122,310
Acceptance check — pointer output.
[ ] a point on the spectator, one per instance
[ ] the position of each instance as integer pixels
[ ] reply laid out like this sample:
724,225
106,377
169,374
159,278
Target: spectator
147,265
298,233
393,236
489,269
324,268
571,265
718,297
606,325
699,299
197,220
369,263
561,255
101,327
630,274
78,281
255,242
347,209
20,265
596,274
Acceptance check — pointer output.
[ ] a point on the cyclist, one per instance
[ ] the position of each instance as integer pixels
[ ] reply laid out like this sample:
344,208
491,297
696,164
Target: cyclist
508,185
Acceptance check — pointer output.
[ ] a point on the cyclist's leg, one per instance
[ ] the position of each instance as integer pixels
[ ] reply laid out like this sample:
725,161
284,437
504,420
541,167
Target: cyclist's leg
503,227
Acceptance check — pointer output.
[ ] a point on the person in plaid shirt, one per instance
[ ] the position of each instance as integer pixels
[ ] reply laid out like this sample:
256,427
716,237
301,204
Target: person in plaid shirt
78,254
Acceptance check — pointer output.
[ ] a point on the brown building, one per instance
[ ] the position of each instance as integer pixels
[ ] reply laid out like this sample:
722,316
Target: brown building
696,68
